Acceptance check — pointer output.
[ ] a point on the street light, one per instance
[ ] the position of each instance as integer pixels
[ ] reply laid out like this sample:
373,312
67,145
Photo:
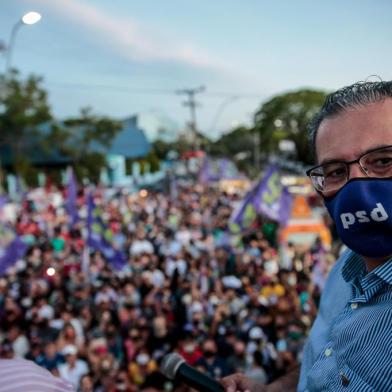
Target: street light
31,18
27,19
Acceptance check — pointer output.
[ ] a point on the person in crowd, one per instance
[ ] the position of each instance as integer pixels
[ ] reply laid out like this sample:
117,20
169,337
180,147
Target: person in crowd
51,357
74,368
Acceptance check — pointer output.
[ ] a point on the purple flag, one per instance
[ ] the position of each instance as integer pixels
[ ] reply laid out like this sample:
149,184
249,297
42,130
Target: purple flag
3,201
99,236
244,215
204,174
272,198
269,198
12,248
72,194
214,170
229,170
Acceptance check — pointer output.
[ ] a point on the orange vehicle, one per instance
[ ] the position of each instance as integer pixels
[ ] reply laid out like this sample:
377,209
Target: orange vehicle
304,225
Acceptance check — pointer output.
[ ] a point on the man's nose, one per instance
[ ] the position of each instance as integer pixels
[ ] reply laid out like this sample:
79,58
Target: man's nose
356,171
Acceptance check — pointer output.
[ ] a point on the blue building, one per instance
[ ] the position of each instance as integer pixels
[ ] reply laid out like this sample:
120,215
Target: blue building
129,143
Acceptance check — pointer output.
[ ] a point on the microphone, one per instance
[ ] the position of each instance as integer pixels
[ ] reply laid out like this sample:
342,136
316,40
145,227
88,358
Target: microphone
174,367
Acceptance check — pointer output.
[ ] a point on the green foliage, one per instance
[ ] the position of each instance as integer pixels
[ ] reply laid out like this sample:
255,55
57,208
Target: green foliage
23,107
184,143
237,141
82,132
24,110
153,160
90,166
161,148
143,165
239,145
286,117
23,167
150,162
75,137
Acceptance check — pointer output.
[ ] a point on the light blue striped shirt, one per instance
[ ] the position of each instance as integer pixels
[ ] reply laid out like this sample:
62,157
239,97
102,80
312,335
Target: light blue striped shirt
20,375
350,344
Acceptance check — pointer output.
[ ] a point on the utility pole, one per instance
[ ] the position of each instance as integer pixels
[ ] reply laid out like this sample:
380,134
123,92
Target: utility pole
190,93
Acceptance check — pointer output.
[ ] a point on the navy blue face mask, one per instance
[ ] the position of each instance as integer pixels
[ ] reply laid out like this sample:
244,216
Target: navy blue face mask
362,211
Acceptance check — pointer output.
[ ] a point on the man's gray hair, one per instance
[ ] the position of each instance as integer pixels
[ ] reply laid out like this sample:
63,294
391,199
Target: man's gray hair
358,94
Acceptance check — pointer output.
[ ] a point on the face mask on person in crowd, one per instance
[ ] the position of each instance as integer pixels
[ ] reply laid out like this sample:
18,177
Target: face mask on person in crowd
295,335
209,353
362,211
292,280
142,359
189,348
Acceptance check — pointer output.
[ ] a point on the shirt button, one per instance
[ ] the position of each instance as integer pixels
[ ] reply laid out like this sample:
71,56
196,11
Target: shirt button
354,306
328,352
343,378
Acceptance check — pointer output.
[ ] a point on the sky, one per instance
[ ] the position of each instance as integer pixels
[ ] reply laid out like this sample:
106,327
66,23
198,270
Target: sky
123,57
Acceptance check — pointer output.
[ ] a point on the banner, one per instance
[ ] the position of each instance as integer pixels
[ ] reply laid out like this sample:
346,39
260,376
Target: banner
99,236
72,194
269,198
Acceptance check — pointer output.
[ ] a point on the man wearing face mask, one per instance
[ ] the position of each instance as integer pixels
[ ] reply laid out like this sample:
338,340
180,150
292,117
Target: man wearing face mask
350,344
210,362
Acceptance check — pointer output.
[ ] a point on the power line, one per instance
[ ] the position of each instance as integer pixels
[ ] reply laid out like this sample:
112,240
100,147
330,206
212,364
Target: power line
126,89
146,90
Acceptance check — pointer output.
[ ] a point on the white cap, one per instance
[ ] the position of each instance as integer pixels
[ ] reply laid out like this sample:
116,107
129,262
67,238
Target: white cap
70,349
231,282
197,307
256,333
46,312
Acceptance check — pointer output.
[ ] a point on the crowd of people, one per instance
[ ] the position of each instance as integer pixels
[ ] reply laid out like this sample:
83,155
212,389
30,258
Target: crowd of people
225,308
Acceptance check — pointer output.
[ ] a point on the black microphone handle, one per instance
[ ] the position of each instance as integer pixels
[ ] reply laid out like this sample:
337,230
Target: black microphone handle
198,381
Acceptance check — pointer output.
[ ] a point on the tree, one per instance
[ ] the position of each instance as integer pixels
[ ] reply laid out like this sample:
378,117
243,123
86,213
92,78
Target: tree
162,147
182,144
23,108
84,139
237,141
238,145
28,133
286,117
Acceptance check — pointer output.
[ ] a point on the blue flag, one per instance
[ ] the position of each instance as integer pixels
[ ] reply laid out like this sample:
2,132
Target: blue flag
99,236
269,198
72,194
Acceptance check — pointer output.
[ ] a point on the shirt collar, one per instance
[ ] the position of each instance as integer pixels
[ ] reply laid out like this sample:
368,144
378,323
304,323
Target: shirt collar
384,271
354,269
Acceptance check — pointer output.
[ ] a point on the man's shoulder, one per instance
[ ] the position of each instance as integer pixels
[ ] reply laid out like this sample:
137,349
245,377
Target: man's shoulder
335,274
336,288
36,378
337,292
342,259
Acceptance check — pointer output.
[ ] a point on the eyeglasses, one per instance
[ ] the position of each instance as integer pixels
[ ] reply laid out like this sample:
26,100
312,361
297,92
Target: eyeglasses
332,176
